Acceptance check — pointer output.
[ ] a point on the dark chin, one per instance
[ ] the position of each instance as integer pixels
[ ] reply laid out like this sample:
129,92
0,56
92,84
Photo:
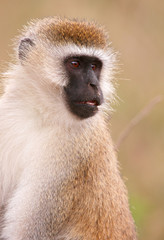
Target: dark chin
83,111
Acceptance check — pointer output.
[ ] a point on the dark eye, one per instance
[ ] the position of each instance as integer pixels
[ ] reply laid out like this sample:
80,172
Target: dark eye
93,66
75,64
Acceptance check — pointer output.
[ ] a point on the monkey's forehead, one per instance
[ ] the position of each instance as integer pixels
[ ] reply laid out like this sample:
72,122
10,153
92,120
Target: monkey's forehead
81,33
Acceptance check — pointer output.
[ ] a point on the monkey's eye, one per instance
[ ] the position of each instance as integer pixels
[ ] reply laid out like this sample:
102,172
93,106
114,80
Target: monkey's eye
93,66
75,64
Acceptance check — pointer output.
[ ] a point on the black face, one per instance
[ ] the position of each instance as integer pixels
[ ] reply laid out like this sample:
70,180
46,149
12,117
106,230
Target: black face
83,93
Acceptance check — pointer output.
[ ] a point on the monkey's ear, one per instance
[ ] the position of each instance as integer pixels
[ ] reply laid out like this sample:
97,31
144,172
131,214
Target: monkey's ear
24,47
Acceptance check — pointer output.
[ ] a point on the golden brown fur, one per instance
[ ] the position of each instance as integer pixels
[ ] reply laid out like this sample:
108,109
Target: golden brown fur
63,31
76,32
100,207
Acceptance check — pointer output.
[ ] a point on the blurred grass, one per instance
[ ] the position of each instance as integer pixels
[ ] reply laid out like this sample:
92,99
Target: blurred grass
140,208
136,28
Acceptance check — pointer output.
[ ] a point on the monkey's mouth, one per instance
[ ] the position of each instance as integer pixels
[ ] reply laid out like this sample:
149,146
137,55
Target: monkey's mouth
89,103
93,102
85,108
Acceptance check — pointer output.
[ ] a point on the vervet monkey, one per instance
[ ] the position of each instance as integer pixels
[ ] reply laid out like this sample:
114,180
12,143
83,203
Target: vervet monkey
59,176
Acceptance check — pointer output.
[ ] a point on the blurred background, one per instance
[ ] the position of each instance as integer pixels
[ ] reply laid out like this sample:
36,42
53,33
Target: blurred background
136,29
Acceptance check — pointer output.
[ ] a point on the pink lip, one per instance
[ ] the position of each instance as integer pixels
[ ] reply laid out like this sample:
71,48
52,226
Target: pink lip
91,103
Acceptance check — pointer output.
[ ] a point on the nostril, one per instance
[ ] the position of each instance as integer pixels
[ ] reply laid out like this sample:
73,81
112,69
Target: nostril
93,85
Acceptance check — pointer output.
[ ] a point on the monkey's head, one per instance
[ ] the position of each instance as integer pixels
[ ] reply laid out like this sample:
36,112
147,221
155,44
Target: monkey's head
70,60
